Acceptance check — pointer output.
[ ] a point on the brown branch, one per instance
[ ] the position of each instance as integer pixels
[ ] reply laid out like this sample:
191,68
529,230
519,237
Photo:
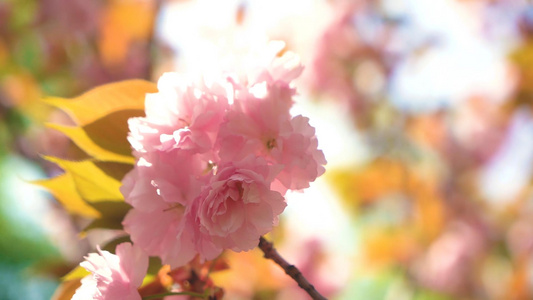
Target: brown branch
271,253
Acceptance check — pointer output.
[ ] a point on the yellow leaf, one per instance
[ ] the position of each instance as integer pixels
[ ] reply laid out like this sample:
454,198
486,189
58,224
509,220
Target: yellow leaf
123,23
111,131
4,52
385,246
112,212
66,290
261,273
114,169
149,278
76,273
82,140
104,100
64,190
92,183
20,89
367,184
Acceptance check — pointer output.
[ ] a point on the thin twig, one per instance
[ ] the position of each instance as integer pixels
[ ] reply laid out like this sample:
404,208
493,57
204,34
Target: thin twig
271,253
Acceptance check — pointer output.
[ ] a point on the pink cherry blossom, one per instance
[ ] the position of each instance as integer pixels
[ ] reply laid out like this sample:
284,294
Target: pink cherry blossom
156,232
181,115
260,123
158,192
298,152
113,276
214,160
236,208
175,176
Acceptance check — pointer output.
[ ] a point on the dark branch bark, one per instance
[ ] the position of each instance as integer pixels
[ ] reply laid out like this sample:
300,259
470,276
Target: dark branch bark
271,253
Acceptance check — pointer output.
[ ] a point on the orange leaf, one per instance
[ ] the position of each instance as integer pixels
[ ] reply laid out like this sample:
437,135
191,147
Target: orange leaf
123,23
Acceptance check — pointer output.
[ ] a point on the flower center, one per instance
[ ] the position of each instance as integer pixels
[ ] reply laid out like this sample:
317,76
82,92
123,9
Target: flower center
185,123
211,167
271,143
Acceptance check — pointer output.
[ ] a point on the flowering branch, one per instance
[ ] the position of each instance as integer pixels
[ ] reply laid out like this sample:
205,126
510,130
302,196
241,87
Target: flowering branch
271,253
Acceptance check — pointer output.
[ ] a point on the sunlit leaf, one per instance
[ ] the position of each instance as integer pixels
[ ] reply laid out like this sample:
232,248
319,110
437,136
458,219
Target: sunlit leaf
369,184
91,182
66,290
114,169
64,190
519,286
124,22
383,247
112,212
4,52
104,100
430,211
82,140
76,273
110,246
111,131
366,184
21,89
262,274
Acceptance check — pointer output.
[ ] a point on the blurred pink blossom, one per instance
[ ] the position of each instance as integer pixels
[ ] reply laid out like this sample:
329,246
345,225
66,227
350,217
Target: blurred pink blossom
113,276
448,263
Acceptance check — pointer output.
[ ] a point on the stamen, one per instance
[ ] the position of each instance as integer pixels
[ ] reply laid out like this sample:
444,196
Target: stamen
270,144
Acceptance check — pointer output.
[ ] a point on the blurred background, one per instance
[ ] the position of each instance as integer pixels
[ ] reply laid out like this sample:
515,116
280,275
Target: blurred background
422,108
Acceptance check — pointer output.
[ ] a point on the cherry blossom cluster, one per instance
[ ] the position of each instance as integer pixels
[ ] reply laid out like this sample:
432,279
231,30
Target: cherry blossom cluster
214,159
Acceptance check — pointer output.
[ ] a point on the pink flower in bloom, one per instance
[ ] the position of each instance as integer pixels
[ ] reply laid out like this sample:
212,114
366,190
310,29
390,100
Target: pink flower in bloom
156,231
297,150
213,161
158,192
113,276
260,123
176,176
181,115
235,209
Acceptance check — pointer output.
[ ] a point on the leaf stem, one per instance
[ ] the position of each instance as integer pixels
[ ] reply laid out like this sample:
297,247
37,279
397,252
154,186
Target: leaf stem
271,253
